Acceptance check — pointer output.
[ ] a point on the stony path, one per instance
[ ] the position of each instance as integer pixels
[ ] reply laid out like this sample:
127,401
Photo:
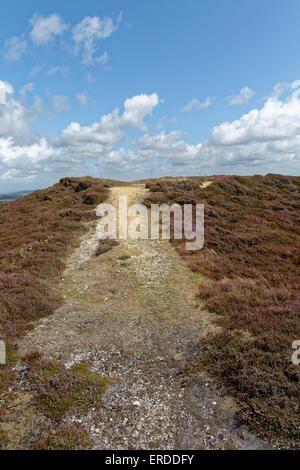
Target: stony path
136,321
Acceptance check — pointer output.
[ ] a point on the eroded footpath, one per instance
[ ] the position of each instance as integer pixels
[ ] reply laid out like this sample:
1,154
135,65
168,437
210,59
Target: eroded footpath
132,314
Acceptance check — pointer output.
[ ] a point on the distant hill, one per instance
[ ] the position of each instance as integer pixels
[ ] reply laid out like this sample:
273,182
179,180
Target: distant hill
14,196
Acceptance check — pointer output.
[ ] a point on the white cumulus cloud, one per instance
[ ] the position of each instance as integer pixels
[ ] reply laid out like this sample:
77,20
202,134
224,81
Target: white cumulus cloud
15,119
263,140
275,121
136,108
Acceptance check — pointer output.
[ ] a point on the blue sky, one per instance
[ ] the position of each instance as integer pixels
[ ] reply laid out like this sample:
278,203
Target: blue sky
211,87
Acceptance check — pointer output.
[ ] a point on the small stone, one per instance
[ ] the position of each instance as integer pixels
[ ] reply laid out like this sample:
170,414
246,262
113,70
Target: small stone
137,403
178,357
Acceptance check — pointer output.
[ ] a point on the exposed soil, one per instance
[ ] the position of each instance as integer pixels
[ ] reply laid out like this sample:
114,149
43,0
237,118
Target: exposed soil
132,314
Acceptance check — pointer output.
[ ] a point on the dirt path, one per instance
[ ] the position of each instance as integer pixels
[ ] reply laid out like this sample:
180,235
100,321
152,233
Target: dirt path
136,321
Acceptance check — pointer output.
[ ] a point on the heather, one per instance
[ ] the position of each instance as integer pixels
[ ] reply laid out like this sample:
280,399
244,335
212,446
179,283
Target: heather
36,234
65,437
57,390
251,260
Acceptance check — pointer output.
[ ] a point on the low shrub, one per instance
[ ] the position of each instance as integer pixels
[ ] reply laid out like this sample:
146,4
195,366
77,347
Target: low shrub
36,234
65,437
57,390
251,255
93,197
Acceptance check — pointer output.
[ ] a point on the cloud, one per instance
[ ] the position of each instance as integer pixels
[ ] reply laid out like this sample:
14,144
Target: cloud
110,130
136,108
103,58
23,162
194,104
15,119
27,88
62,69
266,139
243,97
165,146
263,140
44,29
83,39
14,48
82,98
60,103
276,121
165,119
5,89
77,144
35,70
86,36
